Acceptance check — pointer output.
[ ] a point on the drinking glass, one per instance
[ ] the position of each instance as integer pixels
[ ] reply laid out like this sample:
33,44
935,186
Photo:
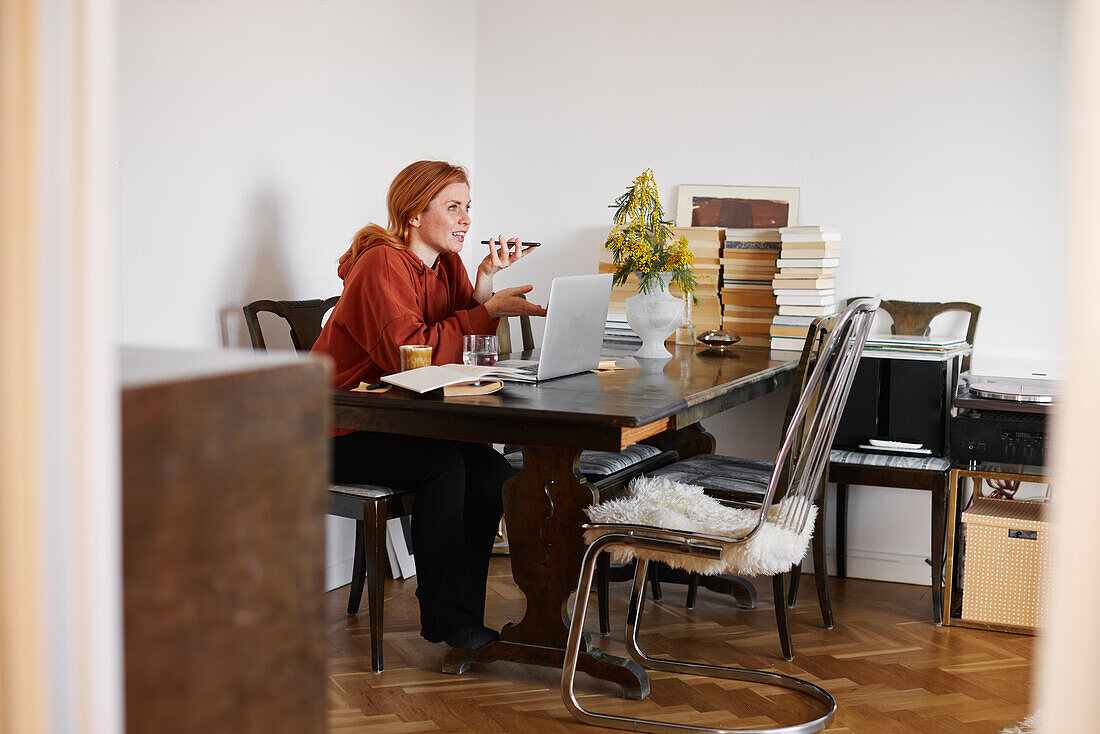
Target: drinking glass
480,349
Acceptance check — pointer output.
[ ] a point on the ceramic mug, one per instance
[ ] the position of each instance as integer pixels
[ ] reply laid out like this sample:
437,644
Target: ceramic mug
415,355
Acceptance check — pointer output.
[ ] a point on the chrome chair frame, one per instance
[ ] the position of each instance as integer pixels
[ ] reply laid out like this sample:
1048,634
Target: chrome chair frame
696,545
822,399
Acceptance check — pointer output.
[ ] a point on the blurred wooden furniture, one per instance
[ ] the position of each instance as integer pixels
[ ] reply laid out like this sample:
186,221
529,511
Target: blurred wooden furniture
224,468
922,473
555,421
367,504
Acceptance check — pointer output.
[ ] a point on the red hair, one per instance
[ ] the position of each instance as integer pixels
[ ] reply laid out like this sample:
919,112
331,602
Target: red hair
409,195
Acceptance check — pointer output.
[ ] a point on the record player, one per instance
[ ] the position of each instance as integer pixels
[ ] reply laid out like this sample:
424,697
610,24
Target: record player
1002,420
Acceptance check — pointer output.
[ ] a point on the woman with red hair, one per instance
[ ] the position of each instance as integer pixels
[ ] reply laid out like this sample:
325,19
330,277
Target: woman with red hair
405,284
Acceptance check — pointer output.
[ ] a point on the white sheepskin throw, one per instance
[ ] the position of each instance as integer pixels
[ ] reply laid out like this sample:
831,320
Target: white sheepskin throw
1030,725
667,504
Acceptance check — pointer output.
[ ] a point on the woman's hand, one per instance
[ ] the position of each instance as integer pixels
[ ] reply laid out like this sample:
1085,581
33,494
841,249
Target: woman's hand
510,302
502,253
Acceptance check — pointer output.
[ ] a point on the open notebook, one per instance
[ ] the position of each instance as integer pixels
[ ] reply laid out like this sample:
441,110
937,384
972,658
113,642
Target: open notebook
433,377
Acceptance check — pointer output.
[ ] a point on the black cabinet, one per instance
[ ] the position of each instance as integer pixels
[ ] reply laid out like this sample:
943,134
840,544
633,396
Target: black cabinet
900,400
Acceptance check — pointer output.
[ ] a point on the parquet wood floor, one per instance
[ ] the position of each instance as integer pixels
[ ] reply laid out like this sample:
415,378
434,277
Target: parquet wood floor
889,667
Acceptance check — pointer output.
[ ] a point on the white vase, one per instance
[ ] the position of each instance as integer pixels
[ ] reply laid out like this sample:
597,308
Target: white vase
653,317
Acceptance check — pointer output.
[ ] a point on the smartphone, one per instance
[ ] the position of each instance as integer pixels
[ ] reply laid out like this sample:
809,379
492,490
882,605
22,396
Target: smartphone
524,244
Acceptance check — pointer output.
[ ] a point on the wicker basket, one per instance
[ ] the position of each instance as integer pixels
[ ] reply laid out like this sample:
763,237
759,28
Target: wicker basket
1005,575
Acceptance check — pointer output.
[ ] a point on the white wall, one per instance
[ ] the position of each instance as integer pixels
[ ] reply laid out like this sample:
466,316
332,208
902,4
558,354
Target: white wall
257,137
252,147
930,133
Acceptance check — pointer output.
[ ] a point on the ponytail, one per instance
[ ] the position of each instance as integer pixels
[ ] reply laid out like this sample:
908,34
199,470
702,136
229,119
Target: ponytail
362,239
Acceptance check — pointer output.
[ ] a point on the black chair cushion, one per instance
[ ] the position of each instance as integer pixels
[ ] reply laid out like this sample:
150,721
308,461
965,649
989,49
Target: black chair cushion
366,491
725,477
925,463
346,500
596,464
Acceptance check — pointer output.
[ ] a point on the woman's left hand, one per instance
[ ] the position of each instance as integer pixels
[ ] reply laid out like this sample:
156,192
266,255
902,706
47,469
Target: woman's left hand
502,253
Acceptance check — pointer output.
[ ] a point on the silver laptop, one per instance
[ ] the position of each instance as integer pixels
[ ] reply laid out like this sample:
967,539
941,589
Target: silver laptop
575,317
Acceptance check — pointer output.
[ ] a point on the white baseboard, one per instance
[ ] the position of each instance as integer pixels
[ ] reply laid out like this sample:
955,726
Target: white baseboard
862,564
338,574
898,568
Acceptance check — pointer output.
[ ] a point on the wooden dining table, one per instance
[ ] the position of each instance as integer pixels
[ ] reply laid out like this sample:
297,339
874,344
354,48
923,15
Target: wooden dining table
658,401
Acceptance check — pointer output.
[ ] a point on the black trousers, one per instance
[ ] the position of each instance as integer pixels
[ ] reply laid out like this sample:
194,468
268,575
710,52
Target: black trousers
456,509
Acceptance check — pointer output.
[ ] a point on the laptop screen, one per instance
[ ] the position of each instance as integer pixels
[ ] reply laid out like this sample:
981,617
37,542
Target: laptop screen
575,318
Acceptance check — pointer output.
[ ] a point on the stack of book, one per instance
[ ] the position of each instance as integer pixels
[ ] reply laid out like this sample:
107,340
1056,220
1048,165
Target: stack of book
748,269
914,347
616,329
805,286
705,243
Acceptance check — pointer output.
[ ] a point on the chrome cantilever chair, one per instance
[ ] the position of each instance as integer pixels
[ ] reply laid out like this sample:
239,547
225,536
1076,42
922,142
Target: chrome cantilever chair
663,520
743,482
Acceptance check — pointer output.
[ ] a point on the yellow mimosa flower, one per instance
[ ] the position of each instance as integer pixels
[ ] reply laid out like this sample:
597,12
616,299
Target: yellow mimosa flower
640,240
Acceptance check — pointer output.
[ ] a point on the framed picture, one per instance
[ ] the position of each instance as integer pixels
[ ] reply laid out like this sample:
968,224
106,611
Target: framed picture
737,207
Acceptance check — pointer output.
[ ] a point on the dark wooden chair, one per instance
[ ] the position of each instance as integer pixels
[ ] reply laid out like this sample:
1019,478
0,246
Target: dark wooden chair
930,474
504,334
367,504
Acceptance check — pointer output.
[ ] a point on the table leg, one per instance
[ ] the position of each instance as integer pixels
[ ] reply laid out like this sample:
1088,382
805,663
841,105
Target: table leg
841,539
939,528
949,573
544,508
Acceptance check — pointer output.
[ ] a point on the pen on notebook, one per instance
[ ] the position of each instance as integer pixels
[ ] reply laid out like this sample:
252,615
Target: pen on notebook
525,244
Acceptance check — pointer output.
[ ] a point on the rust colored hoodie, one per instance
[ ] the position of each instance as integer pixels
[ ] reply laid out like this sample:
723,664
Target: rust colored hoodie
392,298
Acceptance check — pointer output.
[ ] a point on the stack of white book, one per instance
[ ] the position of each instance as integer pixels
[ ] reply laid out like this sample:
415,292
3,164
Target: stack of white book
616,329
914,347
805,286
